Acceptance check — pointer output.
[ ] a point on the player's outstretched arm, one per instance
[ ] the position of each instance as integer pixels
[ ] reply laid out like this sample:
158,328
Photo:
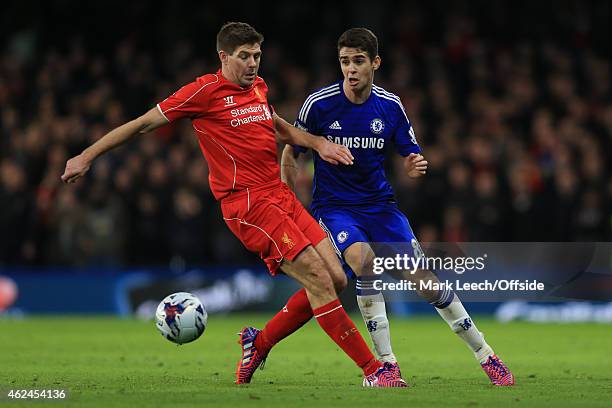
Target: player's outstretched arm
77,166
328,151
289,166
415,164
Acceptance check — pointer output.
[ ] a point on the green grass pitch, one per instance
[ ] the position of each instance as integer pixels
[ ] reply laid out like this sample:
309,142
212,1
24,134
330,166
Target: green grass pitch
107,362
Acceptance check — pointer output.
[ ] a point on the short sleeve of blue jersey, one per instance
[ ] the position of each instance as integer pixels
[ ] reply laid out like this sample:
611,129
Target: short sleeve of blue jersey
306,122
404,136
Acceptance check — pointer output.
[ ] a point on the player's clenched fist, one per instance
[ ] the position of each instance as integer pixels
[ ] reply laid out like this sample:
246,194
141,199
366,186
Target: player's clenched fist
334,153
75,168
415,164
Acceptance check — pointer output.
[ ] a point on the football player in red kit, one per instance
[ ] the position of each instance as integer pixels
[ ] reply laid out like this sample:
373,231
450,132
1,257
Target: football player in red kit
236,130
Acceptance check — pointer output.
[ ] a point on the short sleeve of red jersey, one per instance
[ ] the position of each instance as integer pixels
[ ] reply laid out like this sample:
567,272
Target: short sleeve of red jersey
190,101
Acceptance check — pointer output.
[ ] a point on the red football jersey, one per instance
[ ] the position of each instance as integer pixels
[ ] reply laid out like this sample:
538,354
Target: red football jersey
234,127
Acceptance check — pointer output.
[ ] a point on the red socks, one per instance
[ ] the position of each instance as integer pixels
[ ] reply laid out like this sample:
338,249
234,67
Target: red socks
331,317
336,323
294,315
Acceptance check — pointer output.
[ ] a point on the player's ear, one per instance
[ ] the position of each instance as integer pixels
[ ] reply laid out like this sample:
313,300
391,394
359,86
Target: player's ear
376,62
223,56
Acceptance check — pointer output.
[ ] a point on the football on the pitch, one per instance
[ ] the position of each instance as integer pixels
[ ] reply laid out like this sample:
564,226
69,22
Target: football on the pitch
181,318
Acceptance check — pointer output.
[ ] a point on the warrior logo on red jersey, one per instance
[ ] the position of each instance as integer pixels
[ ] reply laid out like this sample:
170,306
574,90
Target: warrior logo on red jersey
229,101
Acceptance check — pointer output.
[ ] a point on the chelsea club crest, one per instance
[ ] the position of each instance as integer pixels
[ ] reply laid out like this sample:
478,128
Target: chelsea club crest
342,236
377,126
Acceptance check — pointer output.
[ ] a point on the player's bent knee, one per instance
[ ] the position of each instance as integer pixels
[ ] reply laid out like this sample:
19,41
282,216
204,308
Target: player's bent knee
315,277
332,265
424,278
337,275
321,281
340,281
360,257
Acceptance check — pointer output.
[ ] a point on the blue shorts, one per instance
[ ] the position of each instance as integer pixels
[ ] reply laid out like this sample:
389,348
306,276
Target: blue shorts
375,224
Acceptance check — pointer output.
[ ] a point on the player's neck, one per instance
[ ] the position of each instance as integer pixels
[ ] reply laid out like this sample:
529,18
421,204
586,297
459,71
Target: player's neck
356,97
231,78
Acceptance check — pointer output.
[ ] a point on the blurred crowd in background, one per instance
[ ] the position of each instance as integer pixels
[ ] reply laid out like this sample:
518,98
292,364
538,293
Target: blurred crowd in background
511,103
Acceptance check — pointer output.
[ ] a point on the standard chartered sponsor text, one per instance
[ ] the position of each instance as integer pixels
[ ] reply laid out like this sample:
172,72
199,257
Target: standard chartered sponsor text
241,119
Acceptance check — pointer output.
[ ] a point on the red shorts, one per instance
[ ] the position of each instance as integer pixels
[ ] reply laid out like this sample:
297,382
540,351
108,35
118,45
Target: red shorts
271,221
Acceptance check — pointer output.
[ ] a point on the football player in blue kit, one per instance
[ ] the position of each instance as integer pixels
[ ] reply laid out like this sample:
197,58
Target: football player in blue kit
355,204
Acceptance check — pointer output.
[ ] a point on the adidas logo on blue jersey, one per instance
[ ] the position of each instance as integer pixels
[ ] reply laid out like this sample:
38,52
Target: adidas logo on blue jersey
335,126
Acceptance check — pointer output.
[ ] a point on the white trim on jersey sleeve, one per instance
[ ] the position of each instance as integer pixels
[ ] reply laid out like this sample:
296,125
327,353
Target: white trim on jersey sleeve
321,94
194,94
162,113
381,93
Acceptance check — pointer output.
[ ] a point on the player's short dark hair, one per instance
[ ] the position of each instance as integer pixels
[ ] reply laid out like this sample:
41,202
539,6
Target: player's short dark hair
232,35
360,38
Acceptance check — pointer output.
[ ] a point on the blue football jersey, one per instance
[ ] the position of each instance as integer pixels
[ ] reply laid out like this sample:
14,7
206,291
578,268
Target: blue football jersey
367,129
